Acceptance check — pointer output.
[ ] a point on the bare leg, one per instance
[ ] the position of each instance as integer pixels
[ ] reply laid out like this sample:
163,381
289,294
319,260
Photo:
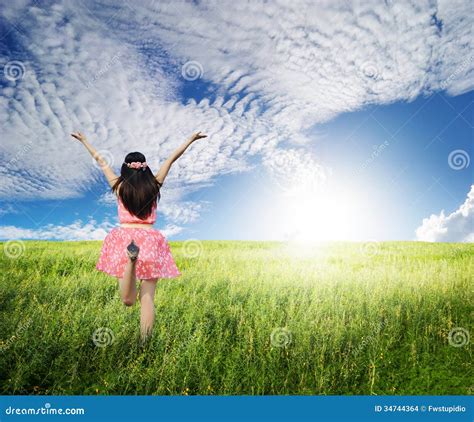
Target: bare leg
147,311
127,284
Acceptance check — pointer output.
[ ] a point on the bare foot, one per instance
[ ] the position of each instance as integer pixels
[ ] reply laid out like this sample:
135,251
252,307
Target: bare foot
132,251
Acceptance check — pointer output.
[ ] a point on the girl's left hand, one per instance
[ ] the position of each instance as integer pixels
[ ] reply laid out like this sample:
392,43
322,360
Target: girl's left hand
197,135
79,136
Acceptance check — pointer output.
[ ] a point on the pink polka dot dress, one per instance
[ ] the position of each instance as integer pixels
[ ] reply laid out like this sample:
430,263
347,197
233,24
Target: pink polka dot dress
154,260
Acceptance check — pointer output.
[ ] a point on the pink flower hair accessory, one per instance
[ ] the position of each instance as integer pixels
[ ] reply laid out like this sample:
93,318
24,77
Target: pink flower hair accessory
137,165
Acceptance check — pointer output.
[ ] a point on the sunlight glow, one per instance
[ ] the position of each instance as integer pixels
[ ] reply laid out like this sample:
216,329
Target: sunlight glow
313,214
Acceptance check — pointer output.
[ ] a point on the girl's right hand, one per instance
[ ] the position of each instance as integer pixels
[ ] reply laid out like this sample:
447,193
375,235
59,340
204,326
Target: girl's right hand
197,135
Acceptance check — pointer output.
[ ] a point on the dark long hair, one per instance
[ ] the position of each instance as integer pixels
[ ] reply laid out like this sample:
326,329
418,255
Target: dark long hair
139,190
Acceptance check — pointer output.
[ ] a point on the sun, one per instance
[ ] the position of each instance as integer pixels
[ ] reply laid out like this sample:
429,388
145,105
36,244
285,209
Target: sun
310,214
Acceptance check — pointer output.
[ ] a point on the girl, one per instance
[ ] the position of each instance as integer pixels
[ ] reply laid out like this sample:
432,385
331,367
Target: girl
136,250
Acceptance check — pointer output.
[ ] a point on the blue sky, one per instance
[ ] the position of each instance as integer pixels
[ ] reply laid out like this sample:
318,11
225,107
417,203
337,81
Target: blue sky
361,129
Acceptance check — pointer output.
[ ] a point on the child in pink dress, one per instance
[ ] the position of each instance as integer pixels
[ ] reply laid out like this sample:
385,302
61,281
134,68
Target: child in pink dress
136,250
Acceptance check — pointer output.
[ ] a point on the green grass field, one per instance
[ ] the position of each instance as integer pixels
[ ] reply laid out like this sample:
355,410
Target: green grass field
245,318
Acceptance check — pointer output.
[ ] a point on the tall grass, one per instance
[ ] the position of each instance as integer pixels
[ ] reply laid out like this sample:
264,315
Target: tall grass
245,318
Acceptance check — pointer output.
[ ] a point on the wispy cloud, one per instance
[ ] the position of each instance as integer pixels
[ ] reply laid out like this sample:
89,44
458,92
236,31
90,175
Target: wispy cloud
295,169
171,206
171,230
183,212
7,209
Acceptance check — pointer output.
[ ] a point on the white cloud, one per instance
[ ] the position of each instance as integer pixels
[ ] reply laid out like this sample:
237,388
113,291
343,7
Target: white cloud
456,227
171,230
183,212
295,171
108,198
75,231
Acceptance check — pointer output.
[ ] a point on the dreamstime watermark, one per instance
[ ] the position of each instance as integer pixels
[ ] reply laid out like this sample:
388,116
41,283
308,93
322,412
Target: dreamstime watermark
370,70
292,235
14,248
458,337
377,151
370,247
459,159
104,158
19,154
456,72
263,84
22,327
192,248
103,70
281,337
14,70
371,338
103,337
192,70
457,250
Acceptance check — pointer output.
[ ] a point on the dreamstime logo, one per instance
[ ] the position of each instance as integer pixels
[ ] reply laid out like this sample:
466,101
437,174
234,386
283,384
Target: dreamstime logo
281,337
369,70
458,337
14,248
458,159
106,159
192,248
14,70
192,70
280,160
46,409
103,337
370,248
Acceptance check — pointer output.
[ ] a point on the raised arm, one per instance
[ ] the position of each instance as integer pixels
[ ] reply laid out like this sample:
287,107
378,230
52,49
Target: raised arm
108,172
165,167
